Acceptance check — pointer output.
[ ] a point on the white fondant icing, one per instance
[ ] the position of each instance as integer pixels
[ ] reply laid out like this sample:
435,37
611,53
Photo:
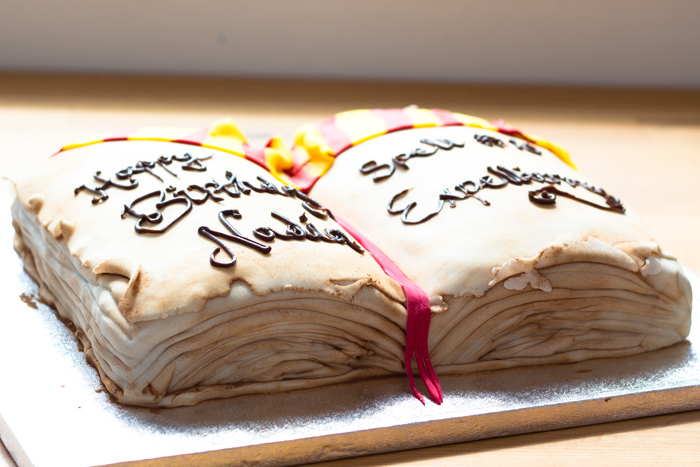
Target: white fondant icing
165,328
651,267
531,278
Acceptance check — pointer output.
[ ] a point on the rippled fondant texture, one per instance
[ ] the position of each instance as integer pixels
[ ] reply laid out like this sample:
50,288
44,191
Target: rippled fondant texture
161,324
514,282
510,283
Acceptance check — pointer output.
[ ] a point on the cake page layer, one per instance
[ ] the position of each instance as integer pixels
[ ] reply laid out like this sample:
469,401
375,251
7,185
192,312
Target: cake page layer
96,198
163,318
189,275
524,261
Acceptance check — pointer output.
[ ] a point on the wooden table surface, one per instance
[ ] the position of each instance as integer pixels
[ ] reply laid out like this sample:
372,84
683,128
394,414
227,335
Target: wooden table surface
642,145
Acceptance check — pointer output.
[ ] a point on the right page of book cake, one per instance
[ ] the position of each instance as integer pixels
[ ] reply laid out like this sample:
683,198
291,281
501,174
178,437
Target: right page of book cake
525,261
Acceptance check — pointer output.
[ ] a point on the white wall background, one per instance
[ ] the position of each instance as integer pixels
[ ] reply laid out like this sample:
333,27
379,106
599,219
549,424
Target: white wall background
571,42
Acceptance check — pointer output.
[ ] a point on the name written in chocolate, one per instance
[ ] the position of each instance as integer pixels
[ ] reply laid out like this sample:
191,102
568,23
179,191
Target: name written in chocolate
195,195
293,232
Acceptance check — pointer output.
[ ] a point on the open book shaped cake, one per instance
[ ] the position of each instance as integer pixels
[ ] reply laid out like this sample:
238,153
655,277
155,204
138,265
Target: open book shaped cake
195,266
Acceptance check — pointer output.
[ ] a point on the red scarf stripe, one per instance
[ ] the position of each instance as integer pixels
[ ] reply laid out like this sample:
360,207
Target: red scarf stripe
121,135
336,138
256,155
446,118
395,119
304,179
196,138
503,128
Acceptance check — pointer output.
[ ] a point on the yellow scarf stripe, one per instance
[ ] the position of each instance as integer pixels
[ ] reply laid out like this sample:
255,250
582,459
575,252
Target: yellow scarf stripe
315,146
360,125
423,118
223,135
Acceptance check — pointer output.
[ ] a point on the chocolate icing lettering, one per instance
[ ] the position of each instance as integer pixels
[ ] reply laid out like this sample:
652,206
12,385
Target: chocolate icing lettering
452,199
152,222
207,194
490,141
147,167
312,233
156,217
267,234
371,167
405,211
548,195
525,146
127,173
401,160
234,236
507,175
196,164
100,191
316,210
385,171
232,187
338,236
296,232
543,196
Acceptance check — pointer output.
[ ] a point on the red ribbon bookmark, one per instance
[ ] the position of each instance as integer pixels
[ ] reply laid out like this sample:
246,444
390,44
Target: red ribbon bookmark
417,320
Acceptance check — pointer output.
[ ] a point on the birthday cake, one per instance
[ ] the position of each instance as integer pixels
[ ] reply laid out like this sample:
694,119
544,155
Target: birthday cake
383,242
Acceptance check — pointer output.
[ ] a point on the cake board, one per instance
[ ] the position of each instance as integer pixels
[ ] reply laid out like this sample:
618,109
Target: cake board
50,398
